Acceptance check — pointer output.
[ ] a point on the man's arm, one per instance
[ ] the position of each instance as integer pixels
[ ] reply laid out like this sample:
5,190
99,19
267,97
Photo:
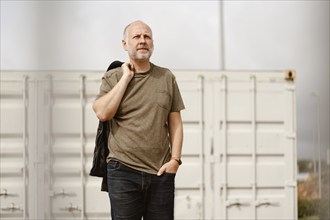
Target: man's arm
106,106
176,139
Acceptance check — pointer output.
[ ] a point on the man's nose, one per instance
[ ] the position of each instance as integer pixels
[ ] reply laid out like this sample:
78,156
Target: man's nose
142,40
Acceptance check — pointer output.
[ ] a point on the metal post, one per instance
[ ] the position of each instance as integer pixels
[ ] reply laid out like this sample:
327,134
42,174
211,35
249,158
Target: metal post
222,37
25,143
314,153
316,95
50,145
254,134
224,144
82,141
201,124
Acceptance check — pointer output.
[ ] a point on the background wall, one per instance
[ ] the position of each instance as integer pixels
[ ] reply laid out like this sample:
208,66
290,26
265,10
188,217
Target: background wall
197,35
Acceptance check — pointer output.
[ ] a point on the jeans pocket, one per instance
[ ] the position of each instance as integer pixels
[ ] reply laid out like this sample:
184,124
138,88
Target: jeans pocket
113,165
170,176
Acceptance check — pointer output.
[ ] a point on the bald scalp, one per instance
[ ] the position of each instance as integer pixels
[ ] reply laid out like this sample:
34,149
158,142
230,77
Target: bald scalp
125,33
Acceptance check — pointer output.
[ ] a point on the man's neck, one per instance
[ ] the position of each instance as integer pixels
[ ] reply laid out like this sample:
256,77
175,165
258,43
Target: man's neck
141,66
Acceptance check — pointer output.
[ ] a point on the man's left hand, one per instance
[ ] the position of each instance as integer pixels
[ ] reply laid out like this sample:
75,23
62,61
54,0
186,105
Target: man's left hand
170,167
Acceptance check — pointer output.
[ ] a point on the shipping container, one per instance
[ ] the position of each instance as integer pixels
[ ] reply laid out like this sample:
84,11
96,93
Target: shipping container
239,152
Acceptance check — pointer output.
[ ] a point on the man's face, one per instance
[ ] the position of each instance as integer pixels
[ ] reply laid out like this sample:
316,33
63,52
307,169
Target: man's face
138,42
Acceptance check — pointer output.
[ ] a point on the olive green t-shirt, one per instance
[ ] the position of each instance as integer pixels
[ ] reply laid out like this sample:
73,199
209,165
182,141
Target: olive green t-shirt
139,136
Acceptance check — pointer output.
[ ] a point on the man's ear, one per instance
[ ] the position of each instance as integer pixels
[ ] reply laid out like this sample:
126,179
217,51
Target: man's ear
124,44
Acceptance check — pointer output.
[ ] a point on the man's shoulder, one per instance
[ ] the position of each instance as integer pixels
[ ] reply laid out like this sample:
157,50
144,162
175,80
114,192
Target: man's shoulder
163,71
114,73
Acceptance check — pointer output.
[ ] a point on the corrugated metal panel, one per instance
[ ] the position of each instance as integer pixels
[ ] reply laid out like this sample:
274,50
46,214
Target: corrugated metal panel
190,180
252,141
14,140
75,193
239,153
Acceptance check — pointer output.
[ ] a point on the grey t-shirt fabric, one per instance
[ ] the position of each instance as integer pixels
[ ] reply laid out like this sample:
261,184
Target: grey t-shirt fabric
139,136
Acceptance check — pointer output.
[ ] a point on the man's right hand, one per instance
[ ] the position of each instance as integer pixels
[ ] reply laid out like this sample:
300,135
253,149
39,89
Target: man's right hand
128,70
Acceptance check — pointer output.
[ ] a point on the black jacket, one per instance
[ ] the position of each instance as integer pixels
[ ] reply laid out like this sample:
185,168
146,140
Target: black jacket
101,152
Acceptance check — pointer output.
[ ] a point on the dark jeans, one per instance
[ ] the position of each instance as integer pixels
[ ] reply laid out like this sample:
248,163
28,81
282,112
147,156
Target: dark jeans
135,194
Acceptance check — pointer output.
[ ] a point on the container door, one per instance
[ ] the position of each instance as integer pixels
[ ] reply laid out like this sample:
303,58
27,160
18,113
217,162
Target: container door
13,147
256,146
189,198
73,193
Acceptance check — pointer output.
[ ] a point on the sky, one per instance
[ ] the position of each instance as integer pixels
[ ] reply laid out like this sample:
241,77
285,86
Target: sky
189,35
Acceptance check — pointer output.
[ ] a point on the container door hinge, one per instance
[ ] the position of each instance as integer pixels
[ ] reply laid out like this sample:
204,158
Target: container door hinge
291,183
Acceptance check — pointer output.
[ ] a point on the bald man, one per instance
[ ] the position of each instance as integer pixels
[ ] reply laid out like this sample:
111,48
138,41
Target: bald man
143,103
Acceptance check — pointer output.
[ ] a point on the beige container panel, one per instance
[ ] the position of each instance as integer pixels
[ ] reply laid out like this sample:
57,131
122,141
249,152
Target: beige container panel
226,173
187,205
12,166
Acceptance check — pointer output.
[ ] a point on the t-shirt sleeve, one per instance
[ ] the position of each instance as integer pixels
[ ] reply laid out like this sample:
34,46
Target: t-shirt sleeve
107,84
177,102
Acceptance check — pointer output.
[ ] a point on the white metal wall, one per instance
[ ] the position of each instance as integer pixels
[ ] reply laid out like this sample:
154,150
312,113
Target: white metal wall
14,157
239,153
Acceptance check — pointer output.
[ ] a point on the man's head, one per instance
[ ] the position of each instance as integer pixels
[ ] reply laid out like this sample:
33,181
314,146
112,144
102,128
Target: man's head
138,41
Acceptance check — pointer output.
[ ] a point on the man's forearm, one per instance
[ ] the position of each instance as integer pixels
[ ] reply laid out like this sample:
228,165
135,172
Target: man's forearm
106,106
176,134
176,139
